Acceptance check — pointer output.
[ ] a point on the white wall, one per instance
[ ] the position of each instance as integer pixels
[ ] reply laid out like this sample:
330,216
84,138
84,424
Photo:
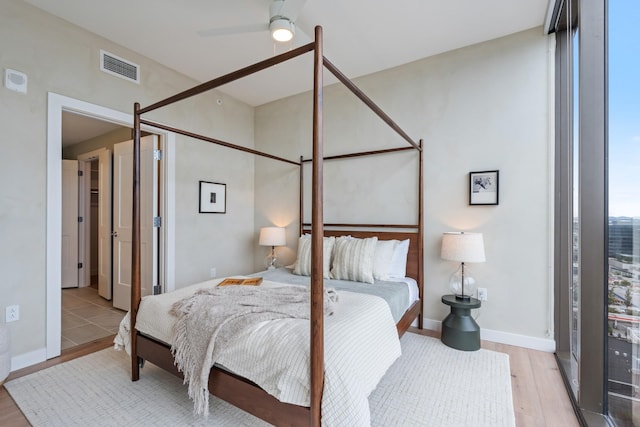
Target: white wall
483,107
61,58
103,141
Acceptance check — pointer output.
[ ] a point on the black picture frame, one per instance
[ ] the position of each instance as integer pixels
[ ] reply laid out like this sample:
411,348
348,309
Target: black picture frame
484,187
212,197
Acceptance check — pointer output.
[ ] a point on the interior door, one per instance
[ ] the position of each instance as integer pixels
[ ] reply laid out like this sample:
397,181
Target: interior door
105,204
69,277
122,221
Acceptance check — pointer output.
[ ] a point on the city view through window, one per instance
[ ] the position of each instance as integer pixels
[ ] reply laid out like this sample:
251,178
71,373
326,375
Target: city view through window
624,213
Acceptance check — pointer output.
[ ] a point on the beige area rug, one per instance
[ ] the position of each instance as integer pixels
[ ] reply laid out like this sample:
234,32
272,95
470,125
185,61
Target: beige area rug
430,385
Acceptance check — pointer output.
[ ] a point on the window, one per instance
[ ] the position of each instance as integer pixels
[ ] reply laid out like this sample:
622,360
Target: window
581,222
623,286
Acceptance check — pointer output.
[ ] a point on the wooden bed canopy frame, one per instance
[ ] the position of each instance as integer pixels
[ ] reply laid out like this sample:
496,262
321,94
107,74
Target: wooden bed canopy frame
223,384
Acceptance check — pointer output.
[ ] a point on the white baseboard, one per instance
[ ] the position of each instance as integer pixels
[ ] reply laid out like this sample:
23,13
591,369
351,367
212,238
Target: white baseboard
27,359
542,344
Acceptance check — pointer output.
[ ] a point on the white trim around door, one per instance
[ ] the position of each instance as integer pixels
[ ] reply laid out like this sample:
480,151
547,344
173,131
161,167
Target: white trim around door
56,105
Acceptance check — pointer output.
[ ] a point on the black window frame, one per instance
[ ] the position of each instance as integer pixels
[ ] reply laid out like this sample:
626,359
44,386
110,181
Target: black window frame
590,17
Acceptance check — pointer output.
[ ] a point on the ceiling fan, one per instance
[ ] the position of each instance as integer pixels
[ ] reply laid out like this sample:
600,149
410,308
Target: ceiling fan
282,17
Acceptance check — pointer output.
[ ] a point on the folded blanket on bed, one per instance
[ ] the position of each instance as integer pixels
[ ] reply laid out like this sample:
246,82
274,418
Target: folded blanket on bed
211,317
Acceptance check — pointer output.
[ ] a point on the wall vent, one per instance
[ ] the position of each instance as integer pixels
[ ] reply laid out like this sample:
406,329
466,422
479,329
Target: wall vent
112,64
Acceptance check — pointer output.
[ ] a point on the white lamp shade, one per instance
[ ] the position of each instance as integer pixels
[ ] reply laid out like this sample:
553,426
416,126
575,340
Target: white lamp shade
462,247
272,236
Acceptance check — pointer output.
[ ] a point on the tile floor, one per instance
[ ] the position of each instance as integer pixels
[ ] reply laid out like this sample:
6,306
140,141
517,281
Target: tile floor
87,316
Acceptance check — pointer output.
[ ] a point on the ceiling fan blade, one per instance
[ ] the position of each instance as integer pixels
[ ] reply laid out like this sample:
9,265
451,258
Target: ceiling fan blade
303,30
291,8
214,32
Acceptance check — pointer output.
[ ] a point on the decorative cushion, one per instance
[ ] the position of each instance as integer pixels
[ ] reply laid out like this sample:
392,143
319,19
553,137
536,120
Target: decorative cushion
303,263
382,258
398,267
353,259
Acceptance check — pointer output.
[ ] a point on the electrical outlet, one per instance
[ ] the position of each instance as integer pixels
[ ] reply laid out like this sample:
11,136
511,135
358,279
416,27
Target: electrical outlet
482,294
12,313
212,273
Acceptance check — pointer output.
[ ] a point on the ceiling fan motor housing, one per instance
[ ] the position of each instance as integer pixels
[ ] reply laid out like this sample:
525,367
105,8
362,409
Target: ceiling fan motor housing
281,27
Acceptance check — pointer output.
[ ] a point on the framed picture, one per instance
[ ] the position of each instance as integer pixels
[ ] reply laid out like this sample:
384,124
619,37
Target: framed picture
213,197
483,188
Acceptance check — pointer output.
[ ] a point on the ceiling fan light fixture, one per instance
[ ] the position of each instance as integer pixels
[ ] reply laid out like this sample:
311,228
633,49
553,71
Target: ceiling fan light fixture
282,29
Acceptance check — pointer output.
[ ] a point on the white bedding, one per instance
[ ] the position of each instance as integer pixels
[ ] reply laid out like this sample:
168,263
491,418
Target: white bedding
361,343
412,286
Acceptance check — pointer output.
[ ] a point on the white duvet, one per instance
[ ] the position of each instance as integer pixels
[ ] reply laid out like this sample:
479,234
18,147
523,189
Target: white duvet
361,343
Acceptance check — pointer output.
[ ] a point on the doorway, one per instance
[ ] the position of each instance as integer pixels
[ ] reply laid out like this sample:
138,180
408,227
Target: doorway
97,206
57,104
88,310
95,212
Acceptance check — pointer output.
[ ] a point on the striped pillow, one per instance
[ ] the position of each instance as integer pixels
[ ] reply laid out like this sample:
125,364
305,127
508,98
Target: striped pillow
353,259
303,263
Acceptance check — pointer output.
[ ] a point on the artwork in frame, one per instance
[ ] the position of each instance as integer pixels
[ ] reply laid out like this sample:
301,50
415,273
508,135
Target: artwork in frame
213,197
483,188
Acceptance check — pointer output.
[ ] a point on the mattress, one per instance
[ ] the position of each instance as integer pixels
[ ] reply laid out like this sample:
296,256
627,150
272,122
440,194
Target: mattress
399,293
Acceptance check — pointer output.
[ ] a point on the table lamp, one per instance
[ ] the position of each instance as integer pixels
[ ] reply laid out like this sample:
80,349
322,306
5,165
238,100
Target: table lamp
272,236
462,247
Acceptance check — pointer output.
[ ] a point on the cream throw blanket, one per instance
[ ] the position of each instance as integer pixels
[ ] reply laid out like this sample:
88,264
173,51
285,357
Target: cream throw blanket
211,317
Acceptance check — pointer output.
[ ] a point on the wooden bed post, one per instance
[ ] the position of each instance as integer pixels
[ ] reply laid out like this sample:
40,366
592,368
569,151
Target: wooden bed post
317,238
135,245
301,209
228,386
420,237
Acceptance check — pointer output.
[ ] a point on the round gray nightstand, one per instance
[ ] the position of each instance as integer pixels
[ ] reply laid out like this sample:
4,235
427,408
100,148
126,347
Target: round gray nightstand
459,329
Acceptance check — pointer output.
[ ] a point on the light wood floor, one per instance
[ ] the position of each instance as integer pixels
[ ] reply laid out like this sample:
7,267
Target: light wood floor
539,396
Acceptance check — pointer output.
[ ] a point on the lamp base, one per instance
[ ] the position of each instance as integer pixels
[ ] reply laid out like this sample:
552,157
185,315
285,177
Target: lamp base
270,262
461,284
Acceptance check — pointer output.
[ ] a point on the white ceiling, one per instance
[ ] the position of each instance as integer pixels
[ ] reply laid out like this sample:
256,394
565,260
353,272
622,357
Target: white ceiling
360,36
77,128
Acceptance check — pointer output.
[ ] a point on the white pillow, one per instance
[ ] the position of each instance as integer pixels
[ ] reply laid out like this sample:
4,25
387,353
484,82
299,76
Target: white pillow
382,258
302,266
353,259
398,267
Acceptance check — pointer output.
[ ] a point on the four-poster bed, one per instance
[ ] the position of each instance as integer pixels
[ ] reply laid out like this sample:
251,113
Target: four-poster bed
222,383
